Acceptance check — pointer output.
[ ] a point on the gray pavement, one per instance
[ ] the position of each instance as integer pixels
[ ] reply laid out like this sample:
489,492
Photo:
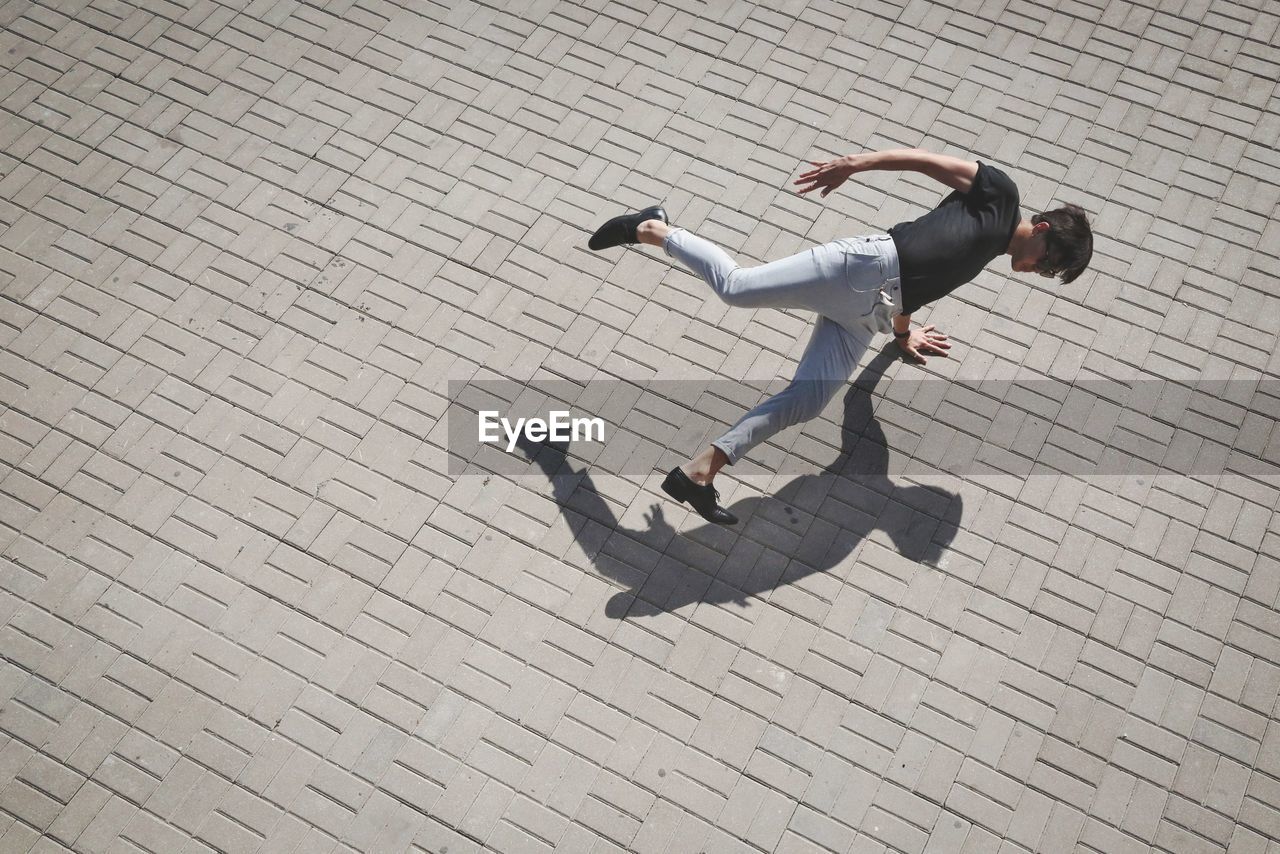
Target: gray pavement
248,601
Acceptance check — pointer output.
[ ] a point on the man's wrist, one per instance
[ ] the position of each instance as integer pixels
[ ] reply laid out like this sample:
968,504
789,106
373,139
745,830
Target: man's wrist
903,334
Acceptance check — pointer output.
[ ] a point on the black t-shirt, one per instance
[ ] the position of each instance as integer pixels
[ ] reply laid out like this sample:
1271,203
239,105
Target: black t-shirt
951,244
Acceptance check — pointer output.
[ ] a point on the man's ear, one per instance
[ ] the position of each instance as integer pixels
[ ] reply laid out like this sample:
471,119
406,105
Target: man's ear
1041,227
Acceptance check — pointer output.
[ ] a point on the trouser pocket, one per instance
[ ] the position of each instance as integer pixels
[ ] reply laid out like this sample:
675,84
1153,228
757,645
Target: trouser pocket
882,313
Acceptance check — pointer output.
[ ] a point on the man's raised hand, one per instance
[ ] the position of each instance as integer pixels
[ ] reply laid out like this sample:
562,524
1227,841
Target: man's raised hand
827,175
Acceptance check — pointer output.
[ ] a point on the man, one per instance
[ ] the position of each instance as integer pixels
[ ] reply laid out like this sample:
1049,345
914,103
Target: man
860,286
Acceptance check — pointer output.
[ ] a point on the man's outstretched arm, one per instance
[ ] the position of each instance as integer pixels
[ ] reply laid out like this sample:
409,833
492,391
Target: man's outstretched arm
955,172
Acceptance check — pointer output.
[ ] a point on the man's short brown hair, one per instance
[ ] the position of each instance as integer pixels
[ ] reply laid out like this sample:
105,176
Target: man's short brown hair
1069,240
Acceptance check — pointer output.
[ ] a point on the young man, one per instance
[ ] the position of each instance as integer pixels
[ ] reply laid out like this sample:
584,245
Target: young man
860,286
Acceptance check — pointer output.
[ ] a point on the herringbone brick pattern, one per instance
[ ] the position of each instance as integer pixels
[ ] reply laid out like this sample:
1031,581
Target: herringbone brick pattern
246,606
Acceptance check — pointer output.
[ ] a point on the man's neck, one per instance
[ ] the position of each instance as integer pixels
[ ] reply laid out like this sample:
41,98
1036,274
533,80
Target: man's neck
1021,234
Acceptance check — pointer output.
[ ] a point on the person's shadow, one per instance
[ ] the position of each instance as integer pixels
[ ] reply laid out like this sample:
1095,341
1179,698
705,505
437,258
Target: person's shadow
810,525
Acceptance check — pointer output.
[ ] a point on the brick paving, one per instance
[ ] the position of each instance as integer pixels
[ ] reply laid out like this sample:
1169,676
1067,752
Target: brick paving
245,604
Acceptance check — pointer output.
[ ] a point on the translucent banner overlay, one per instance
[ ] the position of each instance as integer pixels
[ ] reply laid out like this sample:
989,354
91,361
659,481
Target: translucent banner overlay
905,426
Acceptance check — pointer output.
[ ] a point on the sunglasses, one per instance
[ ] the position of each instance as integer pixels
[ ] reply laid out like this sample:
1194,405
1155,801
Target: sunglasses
1047,268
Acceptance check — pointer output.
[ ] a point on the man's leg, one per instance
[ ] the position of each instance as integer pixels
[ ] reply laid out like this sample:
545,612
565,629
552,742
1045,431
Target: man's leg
829,360
815,279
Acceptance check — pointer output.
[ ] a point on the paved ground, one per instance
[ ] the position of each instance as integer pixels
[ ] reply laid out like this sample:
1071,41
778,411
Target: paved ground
248,604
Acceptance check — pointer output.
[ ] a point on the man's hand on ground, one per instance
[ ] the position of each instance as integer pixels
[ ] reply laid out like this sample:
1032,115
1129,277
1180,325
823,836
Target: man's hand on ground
921,341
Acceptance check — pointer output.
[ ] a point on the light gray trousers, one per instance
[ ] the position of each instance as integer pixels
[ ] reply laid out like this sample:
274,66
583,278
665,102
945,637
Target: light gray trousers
853,286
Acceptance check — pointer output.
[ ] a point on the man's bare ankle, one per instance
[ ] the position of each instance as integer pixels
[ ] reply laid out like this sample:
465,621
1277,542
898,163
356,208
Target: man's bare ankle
652,232
698,474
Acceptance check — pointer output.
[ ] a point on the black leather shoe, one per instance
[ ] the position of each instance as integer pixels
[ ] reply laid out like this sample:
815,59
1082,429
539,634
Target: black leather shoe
704,498
622,229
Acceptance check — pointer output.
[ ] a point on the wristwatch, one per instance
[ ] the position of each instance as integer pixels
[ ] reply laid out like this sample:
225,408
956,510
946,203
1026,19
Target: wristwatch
897,334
